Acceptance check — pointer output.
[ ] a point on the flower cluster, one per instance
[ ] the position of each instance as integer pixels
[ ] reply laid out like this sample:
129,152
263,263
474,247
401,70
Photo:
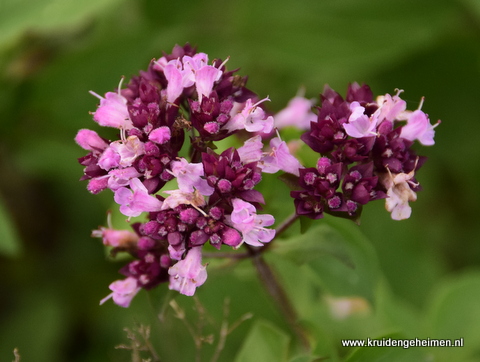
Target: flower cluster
366,154
168,119
215,202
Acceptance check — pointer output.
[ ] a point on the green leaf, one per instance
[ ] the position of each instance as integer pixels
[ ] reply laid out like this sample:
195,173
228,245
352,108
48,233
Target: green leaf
305,358
305,224
454,314
9,240
18,16
265,342
290,180
341,258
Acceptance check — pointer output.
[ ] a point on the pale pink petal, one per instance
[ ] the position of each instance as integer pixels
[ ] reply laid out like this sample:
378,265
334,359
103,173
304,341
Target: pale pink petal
189,273
123,292
280,158
359,125
251,151
205,78
189,177
109,159
174,78
128,150
298,113
90,141
113,112
418,127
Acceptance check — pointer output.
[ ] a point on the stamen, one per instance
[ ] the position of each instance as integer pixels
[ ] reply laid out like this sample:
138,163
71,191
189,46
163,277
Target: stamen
224,62
95,95
109,219
421,103
278,134
261,101
120,85
199,210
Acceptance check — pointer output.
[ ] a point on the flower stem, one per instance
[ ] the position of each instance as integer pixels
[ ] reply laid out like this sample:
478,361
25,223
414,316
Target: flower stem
278,294
286,224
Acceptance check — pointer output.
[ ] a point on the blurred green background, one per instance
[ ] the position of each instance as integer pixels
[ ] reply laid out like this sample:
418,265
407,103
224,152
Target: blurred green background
427,268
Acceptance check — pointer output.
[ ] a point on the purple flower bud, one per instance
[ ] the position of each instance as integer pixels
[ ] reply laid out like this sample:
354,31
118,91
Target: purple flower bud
309,178
322,164
198,237
189,215
96,185
146,243
231,237
174,238
222,119
216,212
224,186
151,149
150,227
160,135
334,202
212,127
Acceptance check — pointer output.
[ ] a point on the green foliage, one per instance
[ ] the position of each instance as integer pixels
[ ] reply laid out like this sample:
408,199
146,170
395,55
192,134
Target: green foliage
18,16
9,240
454,314
265,342
339,257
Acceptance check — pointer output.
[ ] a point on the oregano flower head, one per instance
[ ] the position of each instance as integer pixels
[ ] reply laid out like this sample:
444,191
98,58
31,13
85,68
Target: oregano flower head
169,119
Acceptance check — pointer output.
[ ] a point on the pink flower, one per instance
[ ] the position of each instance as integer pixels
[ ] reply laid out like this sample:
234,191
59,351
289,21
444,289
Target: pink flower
418,127
91,141
136,200
399,194
177,79
189,273
192,65
203,75
188,71
109,159
244,218
298,113
128,149
390,108
359,124
251,151
280,158
252,118
112,111
123,292
121,177
160,135
97,184
115,238
189,177
179,197
205,78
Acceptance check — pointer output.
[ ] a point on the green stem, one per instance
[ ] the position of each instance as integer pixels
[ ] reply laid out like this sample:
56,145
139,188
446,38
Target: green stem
278,294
